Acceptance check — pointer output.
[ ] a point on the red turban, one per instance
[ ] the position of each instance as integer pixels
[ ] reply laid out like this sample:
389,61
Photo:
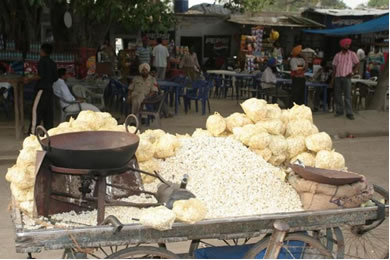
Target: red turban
345,41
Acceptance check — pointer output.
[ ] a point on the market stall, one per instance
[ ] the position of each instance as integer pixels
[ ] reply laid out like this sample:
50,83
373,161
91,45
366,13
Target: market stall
244,176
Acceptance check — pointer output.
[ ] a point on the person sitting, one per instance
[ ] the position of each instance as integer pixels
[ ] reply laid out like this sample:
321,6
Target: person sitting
322,75
144,88
67,101
268,83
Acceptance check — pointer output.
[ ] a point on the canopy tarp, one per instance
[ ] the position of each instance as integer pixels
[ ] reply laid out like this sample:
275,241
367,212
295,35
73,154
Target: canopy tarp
375,25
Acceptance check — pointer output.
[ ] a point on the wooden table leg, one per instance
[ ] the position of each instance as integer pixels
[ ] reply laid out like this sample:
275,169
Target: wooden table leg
21,107
16,107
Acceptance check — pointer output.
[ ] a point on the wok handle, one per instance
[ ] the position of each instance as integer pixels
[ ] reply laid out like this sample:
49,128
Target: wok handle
136,123
41,132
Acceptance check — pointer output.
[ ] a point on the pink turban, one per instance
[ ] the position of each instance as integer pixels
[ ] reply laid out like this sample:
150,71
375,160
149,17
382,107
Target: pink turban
345,41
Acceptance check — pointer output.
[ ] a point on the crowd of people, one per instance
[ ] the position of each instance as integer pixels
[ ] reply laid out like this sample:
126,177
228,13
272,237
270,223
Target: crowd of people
336,73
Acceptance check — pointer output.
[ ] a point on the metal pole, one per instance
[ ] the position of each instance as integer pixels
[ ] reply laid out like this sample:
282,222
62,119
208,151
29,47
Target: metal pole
276,242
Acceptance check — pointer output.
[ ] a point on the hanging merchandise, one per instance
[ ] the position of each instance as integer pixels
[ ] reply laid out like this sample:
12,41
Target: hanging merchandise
274,35
257,32
250,63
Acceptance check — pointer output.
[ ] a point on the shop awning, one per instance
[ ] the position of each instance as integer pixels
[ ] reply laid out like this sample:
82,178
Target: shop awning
379,24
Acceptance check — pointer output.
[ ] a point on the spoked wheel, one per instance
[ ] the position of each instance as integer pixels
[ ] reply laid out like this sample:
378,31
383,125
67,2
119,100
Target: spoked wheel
372,239
332,239
92,253
143,252
195,244
295,246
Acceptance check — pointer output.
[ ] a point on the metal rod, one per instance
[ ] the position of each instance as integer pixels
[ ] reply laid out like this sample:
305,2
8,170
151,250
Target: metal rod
101,196
276,242
113,221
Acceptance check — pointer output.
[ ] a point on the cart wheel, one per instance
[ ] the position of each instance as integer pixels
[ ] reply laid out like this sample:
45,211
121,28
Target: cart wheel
311,248
369,240
143,252
332,239
92,253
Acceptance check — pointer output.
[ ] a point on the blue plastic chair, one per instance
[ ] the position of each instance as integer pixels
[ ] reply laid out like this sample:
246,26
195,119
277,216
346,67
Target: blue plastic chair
115,95
182,80
199,92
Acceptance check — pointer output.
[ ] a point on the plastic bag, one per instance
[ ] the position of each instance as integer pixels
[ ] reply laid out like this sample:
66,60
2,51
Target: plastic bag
259,141
308,159
273,126
236,120
273,111
255,109
302,127
278,145
295,146
216,124
318,142
330,160
299,112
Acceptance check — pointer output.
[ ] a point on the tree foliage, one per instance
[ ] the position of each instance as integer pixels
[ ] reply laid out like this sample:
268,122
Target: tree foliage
378,3
92,19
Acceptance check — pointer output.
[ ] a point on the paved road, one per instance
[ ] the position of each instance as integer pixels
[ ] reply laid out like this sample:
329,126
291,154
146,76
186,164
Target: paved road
368,156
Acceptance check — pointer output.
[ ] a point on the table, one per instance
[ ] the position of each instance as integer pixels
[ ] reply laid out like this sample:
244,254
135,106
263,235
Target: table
324,87
368,82
307,74
17,82
166,85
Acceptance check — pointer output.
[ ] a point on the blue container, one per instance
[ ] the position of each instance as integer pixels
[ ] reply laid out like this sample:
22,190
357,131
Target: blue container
181,6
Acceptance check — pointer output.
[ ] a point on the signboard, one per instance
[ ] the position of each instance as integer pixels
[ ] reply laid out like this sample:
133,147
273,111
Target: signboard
217,46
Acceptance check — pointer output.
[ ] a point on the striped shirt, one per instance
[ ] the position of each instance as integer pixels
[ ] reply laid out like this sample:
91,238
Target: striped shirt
344,63
144,54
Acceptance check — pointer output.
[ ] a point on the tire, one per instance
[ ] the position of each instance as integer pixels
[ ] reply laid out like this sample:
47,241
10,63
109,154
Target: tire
143,252
317,250
372,239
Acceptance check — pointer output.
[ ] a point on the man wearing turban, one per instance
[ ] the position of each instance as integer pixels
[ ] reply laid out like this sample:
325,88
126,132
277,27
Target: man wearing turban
143,86
298,66
345,63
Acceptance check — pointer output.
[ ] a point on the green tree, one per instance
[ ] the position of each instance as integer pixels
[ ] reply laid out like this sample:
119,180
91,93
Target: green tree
378,3
92,19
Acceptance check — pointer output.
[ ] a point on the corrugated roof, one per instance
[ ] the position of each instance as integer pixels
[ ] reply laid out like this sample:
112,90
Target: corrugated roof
283,21
210,9
348,12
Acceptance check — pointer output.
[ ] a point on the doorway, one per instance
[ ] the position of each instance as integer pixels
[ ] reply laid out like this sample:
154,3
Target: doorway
196,42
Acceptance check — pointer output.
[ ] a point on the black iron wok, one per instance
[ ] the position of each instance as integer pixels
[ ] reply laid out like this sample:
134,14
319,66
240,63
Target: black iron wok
90,149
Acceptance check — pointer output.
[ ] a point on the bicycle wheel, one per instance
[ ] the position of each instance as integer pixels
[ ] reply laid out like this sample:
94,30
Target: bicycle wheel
92,253
372,239
143,252
295,246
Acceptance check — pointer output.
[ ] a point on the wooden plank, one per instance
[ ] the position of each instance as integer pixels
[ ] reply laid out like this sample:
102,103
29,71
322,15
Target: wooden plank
36,240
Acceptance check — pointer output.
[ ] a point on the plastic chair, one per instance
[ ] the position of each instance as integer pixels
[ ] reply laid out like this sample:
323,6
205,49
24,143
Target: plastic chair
182,80
199,92
92,98
115,95
152,108
63,114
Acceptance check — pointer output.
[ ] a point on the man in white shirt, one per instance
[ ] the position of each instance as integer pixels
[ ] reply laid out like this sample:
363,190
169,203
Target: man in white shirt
160,55
362,59
67,101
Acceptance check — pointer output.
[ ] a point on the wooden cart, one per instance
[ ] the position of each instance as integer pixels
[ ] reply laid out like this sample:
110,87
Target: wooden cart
321,234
